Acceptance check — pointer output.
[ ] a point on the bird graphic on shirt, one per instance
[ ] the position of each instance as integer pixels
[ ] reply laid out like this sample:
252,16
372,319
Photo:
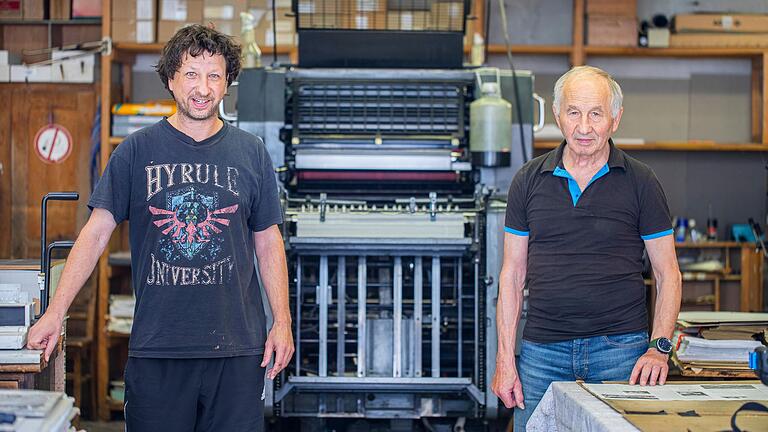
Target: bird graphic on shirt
186,224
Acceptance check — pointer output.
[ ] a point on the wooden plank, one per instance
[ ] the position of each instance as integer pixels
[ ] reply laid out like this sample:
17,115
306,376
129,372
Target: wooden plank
126,73
751,281
674,146
23,37
714,244
764,111
19,173
578,55
155,48
610,51
756,95
6,171
530,49
72,34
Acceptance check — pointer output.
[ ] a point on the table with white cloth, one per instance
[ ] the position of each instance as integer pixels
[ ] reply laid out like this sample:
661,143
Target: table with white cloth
567,406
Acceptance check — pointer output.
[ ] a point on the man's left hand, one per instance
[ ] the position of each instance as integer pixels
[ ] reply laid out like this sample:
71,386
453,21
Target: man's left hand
650,368
279,343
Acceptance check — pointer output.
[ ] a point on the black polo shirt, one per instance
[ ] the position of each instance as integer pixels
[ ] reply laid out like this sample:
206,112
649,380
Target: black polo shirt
585,248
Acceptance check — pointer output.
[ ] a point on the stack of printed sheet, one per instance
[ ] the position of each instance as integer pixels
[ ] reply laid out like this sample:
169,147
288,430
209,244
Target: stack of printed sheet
718,343
121,313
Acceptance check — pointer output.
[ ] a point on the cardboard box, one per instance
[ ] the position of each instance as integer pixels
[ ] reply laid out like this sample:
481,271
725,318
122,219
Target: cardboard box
447,16
228,27
612,7
60,9
11,9
721,23
369,5
166,29
187,11
133,10
132,30
366,21
715,40
417,20
658,38
327,7
281,4
23,73
329,21
86,8
605,30
225,10
72,70
33,9
5,73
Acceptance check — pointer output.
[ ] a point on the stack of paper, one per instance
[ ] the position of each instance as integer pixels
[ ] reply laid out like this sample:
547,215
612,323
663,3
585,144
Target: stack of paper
718,343
728,351
121,313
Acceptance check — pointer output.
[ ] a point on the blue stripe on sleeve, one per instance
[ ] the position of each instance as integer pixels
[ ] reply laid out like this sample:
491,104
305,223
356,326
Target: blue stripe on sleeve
516,232
657,235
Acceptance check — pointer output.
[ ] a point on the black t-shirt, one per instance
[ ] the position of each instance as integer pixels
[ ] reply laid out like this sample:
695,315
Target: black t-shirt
585,248
192,207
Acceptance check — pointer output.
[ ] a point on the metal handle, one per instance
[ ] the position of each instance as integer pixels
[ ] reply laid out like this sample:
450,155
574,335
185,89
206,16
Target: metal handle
540,124
65,244
51,196
223,114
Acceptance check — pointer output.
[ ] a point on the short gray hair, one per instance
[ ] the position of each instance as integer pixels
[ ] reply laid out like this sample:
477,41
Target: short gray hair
617,97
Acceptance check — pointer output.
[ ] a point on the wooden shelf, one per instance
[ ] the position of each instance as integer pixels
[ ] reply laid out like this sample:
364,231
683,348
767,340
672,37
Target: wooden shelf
117,335
120,258
156,48
714,244
673,146
531,49
673,52
114,405
80,21
113,140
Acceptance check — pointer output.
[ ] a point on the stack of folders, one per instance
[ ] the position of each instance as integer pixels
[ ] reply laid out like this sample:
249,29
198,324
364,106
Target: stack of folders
128,118
718,343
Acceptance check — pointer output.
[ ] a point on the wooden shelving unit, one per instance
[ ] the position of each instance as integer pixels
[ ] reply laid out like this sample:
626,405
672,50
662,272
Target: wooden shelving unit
674,146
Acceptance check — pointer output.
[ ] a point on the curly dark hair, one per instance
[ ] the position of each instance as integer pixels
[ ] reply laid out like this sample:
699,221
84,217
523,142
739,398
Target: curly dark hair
195,40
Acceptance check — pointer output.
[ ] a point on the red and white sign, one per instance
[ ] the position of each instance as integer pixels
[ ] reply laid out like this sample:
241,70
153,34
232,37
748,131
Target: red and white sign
53,143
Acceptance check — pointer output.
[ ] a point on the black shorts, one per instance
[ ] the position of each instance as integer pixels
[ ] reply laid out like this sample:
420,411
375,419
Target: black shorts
210,394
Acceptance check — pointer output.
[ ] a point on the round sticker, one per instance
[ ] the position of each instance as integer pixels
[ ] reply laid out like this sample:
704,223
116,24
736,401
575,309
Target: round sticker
53,143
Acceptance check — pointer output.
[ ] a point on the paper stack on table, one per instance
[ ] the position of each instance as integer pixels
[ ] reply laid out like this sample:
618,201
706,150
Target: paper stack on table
718,343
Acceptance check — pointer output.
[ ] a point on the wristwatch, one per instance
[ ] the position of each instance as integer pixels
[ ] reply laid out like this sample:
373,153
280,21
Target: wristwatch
662,345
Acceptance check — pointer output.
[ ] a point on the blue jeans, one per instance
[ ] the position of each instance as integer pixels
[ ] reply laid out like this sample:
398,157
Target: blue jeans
593,359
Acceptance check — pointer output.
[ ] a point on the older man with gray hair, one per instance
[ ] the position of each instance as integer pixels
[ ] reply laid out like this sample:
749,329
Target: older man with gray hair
578,220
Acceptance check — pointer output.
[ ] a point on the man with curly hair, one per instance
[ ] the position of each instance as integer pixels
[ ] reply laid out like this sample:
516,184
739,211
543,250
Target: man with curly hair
202,199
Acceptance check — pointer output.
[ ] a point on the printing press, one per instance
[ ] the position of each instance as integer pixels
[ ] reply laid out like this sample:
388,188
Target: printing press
394,235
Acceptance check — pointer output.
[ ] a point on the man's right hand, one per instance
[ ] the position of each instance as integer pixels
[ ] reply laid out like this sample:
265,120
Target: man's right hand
45,334
506,384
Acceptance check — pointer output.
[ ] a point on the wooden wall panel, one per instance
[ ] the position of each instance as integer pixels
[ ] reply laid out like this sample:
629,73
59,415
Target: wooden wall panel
6,174
73,106
18,38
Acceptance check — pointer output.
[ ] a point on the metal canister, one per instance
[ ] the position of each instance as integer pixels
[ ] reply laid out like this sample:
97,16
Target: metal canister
490,128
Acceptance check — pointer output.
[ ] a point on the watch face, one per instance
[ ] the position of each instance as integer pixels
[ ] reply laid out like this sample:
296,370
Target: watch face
664,345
